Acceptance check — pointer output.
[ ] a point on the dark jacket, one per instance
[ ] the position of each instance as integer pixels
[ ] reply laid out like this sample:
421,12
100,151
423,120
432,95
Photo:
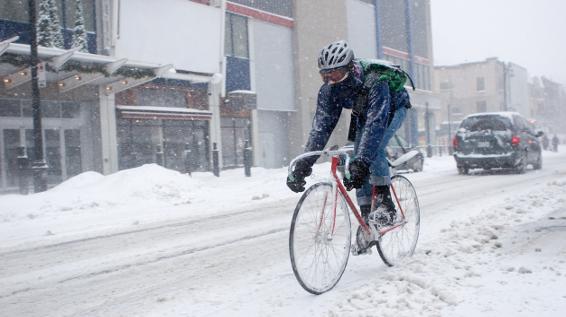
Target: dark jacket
376,115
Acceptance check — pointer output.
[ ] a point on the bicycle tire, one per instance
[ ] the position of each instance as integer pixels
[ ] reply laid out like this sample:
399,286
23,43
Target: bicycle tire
319,259
389,246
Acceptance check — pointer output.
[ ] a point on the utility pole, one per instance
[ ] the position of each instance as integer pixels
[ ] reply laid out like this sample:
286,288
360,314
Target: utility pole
412,115
505,70
449,138
427,127
38,166
378,39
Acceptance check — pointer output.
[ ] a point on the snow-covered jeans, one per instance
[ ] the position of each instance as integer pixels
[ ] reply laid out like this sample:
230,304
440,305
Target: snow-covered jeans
379,169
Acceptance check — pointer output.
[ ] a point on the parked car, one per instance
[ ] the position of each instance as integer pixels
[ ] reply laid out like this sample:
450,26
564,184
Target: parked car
496,140
397,146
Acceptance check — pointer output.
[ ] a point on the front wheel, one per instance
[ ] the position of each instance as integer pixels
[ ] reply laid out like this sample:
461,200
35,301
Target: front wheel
401,242
319,240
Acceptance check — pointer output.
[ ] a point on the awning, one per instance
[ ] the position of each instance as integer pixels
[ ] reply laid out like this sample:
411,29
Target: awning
163,113
71,69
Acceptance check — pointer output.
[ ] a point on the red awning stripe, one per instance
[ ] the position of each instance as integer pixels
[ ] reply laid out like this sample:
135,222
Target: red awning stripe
259,14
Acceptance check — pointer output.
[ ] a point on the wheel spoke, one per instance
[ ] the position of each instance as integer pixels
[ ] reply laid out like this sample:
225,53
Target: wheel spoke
401,242
319,241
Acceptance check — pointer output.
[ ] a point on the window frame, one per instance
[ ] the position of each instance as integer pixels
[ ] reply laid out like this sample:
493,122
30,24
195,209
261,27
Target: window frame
231,43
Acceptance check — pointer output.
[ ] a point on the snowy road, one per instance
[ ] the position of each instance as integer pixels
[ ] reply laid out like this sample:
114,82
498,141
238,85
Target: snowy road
237,263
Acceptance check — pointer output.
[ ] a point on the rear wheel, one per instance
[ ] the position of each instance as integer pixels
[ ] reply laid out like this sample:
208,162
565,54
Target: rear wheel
401,241
463,170
319,241
522,165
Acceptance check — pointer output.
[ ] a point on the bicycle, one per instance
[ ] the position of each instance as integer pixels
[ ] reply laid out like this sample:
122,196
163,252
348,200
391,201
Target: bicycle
320,238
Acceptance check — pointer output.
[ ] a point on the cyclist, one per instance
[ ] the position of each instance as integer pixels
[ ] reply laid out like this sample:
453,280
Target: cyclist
382,111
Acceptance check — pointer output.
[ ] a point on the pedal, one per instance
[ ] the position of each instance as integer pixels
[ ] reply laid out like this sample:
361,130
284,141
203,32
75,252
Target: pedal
360,251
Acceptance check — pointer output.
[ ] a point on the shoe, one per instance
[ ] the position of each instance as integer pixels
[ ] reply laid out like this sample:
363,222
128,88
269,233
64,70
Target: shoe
365,211
361,242
383,216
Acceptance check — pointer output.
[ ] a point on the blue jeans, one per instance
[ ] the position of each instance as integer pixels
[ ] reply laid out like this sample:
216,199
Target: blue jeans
379,168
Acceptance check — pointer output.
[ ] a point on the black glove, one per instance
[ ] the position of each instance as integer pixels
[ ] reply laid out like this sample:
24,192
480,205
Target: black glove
296,180
359,171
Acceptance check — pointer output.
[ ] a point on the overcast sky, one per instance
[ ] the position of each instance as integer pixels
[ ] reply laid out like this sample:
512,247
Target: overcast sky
531,33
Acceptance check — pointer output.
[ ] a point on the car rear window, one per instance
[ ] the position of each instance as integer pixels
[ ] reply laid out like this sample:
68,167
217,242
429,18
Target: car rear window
480,123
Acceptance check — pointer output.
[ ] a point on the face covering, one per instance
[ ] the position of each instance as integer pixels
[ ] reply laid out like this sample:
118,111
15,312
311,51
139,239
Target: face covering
330,82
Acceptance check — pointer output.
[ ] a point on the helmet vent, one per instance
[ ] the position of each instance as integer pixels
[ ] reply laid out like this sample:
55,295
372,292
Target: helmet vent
335,55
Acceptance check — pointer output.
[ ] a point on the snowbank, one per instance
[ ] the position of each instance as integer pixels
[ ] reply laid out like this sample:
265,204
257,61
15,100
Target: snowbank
478,265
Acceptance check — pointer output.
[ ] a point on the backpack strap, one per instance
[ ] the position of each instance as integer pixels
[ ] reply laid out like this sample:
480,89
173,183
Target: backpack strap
357,111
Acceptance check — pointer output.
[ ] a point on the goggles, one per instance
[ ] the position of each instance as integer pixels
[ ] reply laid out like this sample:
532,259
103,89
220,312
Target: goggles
335,75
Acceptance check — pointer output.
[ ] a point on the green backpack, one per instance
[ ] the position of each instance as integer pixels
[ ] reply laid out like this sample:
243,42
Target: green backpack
377,69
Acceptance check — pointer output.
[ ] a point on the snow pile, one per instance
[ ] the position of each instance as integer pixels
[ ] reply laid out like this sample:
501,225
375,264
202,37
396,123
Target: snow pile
146,185
518,245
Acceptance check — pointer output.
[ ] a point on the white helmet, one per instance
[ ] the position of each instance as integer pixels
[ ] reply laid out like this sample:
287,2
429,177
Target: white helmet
337,54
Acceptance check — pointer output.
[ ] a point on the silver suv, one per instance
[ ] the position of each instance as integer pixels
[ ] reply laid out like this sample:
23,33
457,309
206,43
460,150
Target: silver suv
496,140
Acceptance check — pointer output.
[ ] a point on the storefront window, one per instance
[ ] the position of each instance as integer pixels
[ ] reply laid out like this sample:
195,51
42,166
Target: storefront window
70,110
73,158
11,144
14,10
235,132
9,108
185,145
50,109
53,156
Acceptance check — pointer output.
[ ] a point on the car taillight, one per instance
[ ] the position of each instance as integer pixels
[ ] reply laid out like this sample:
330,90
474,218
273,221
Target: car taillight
455,143
515,140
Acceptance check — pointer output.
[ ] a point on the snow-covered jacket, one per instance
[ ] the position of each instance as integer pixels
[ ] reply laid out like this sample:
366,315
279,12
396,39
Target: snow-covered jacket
376,115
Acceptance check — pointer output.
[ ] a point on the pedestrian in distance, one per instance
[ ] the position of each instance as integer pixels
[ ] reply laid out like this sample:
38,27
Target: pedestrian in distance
545,142
555,142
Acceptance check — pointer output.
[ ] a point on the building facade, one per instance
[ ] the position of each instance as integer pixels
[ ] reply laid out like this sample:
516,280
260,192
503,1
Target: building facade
485,86
199,75
120,104
548,104
259,59
398,31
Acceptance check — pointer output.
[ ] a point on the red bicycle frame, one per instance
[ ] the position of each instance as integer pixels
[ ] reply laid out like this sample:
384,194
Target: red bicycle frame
333,167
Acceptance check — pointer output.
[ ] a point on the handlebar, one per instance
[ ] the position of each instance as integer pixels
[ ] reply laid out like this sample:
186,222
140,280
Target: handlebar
342,153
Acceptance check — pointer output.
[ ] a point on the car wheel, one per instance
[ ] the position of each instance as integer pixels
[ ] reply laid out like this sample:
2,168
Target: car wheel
418,165
522,166
463,170
538,164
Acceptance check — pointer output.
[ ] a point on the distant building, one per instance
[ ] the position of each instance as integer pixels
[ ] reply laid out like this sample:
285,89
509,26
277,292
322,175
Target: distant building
548,104
489,85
